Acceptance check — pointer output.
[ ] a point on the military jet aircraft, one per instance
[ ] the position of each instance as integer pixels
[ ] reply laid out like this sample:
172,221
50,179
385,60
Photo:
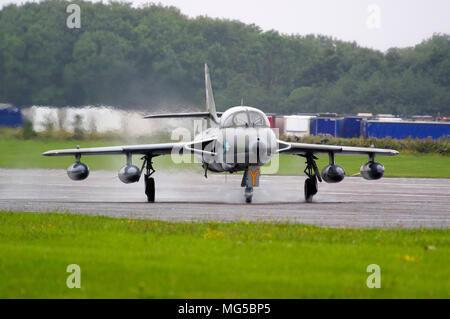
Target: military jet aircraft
237,140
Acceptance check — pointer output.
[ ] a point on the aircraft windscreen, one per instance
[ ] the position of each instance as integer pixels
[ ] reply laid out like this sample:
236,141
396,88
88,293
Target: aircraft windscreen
238,119
245,119
257,119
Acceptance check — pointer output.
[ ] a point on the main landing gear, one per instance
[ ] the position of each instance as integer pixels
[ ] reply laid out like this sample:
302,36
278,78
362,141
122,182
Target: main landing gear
313,174
149,181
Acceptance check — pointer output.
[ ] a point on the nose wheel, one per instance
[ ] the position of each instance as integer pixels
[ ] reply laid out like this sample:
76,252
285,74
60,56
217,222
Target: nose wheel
248,194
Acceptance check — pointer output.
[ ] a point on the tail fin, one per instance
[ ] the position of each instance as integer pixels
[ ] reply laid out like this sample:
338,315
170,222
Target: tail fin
210,104
211,115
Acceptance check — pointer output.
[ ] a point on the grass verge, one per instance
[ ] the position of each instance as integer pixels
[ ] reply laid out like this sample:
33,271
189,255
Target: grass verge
122,258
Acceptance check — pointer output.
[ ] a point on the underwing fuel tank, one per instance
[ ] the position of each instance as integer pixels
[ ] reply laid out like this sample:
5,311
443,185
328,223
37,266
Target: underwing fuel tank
129,174
78,171
372,171
333,173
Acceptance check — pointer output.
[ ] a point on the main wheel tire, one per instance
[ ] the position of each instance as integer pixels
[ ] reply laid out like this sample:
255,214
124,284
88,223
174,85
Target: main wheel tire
309,187
314,186
150,189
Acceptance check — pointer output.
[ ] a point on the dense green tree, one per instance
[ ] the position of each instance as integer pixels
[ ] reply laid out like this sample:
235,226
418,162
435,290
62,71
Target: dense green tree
152,57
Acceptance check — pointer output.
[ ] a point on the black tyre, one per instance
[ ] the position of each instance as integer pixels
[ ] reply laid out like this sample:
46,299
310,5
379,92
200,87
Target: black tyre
309,187
248,195
150,189
314,186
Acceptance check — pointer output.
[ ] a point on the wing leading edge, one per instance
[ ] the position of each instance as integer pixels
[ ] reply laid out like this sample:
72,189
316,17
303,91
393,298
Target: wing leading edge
304,148
153,149
144,149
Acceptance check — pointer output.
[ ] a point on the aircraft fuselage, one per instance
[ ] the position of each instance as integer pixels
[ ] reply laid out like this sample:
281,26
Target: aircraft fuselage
239,143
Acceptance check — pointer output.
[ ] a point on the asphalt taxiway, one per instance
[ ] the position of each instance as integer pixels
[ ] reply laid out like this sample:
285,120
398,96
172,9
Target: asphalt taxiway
188,196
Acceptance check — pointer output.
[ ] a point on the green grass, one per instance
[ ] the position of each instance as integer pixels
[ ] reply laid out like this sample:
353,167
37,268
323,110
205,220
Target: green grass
18,153
154,259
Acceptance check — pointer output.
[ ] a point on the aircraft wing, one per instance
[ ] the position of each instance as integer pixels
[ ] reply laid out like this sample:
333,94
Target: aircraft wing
144,149
305,148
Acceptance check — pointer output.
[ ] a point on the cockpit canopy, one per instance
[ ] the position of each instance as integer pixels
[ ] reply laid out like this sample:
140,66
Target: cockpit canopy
244,116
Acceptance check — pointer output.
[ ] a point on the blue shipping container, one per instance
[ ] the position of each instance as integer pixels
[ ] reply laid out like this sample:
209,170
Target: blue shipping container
351,127
10,116
400,130
325,126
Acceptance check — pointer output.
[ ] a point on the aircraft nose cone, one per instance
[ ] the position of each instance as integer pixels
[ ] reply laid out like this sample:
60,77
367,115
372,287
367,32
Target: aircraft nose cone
258,145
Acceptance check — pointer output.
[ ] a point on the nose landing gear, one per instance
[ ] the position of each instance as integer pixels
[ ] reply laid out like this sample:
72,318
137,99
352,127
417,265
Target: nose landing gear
248,193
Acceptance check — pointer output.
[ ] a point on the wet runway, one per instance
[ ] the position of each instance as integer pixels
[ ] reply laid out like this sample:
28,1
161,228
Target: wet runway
188,196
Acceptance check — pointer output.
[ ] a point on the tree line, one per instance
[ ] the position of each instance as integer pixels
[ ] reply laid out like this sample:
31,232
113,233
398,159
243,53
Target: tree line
152,58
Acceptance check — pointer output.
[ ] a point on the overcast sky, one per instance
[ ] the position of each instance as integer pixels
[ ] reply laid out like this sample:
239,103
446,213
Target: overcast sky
378,24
